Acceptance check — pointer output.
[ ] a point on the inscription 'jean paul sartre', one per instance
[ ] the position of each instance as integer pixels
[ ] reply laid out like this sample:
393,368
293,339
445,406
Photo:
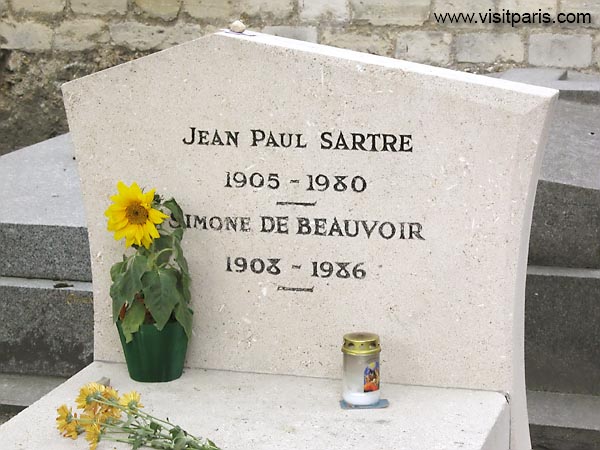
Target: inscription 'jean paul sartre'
328,140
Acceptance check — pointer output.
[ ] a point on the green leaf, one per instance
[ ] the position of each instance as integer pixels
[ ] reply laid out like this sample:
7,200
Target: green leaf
117,268
184,316
163,243
183,285
179,258
161,294
178,234
174,207
134,317
128,283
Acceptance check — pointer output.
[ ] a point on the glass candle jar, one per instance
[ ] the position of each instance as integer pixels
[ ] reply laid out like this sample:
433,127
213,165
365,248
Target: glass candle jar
361,368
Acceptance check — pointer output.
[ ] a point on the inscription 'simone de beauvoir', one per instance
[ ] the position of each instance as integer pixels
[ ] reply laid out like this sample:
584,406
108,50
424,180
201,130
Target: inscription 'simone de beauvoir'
302,225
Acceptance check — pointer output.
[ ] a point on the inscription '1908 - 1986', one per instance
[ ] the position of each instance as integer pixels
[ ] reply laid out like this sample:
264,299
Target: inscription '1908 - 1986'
328,140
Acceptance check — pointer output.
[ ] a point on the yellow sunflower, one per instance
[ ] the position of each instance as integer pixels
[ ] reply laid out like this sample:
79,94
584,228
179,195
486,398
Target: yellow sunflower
132,217
131,400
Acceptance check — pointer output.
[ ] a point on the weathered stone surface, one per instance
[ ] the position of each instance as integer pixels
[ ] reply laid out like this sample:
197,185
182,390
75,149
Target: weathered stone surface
42,228
42,185
211,9
31,108
582,7
565,230
182,32
45,251
465,7
316,9
7,412
29,36
45,330
36,6
266,8
544,438
573,141
99,7
163,9
564,410
372,43
562,319
137,36
574,86
80,34
487,48
391,12
563,421
596,54
546,49
303,33
236,418
23,390
424,46
526,6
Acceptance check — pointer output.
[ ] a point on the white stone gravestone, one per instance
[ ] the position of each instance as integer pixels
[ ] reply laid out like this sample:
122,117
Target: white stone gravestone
326,191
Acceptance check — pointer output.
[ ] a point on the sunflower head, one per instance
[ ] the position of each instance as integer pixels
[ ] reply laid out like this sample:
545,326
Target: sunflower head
131,215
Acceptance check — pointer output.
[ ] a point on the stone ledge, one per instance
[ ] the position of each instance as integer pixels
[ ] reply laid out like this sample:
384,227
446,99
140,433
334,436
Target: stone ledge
564,229
45,251
562,324
564,410
564,421
245,410
43,229
23,390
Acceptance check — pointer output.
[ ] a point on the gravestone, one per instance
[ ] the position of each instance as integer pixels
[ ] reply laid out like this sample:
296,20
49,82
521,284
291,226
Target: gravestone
326,191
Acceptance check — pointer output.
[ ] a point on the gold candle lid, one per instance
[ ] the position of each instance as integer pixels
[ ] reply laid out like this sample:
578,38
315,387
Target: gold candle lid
361,344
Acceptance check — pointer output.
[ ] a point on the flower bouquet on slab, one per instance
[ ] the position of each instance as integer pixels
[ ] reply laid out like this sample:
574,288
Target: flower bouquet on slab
107,416
150,288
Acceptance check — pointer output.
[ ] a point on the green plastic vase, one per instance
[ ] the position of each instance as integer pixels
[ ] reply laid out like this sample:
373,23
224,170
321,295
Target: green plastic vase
155,356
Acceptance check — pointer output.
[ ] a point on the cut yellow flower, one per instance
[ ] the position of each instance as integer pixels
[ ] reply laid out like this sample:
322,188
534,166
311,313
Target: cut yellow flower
67,422
131,400
88,394
132,217
93,431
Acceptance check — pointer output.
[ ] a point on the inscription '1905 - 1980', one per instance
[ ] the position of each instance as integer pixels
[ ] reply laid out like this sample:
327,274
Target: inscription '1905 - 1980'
328,140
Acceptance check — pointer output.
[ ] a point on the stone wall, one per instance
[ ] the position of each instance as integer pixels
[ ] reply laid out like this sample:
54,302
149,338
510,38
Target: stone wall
44,43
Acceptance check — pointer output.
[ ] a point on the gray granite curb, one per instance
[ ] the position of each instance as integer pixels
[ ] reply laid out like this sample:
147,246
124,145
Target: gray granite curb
45,329
562,323
45,251
565,231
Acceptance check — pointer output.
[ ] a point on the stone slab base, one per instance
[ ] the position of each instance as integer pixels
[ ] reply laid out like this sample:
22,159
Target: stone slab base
268,412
